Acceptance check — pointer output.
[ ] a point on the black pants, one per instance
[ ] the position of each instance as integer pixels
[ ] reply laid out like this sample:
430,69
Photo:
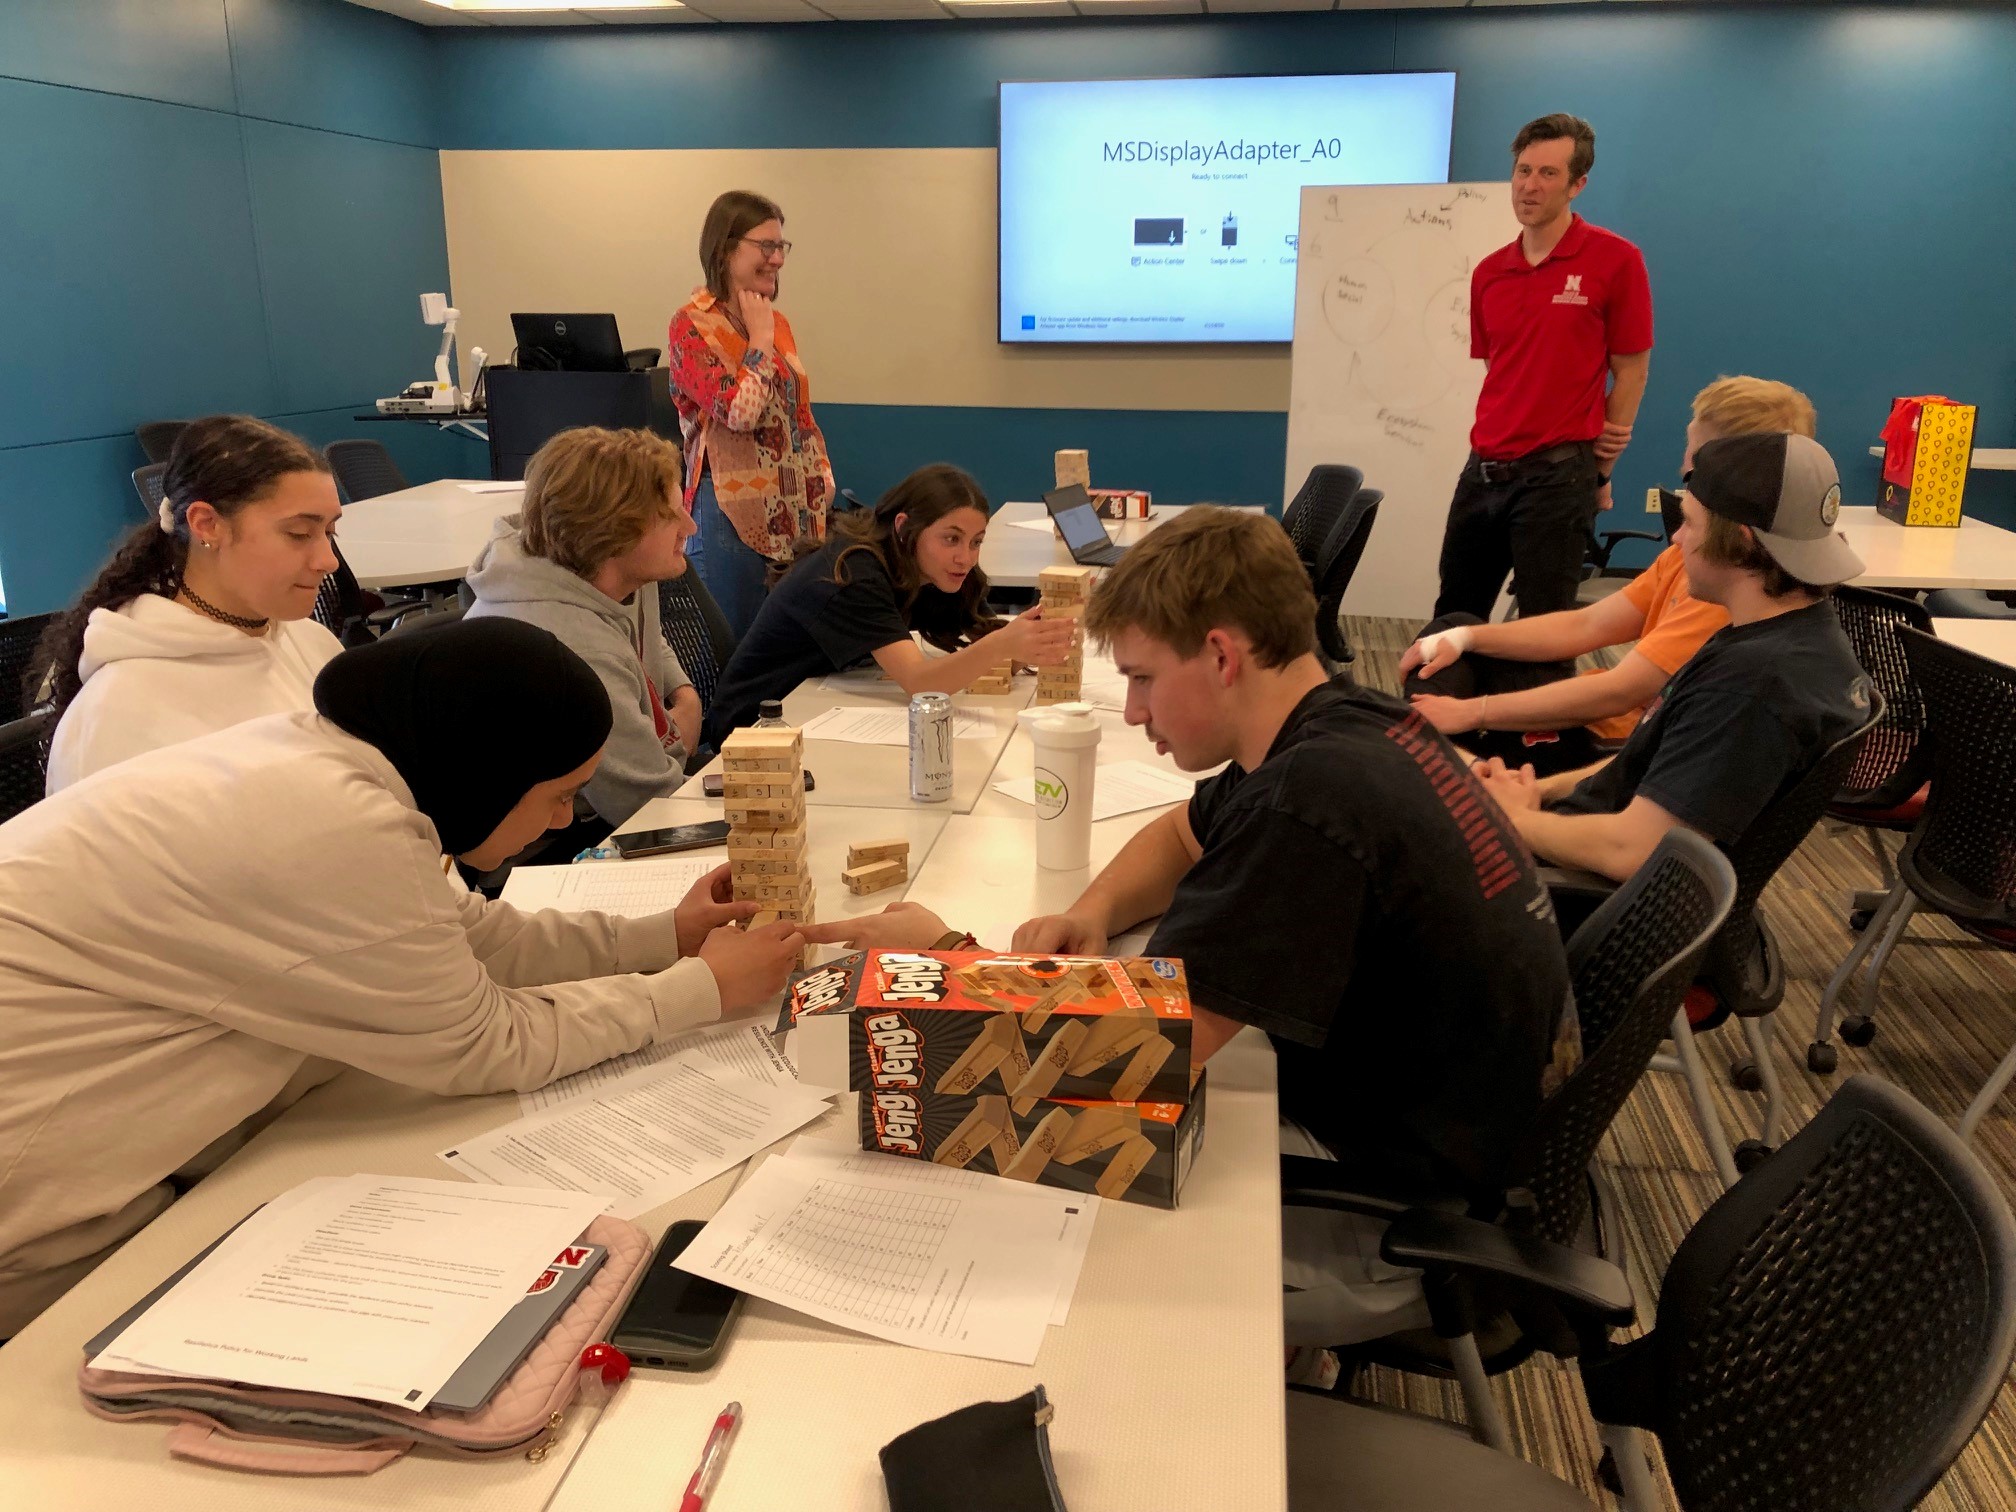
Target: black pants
1530,517
1474,676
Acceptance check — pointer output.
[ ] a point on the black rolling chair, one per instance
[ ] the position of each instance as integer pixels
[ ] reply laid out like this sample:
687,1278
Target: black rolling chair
696,630
356,616
24,760
157,437
1630,962
1961,858
363,469
1744,971
1884,790
18,639
149,484
642,359
1829,1336
1336,563
1317,506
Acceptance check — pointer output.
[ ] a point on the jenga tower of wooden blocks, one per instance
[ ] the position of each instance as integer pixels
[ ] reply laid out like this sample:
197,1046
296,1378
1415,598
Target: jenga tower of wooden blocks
1074,467
1065,591
763,799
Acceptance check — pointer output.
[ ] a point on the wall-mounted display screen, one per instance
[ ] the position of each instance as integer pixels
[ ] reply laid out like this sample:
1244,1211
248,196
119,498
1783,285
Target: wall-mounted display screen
1161,210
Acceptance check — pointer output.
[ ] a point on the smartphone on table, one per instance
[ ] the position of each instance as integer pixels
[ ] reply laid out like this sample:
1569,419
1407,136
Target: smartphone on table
710,785
680,837
674,1320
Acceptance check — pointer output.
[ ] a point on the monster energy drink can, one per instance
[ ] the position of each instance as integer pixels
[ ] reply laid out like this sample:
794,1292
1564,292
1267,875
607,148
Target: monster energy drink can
930,747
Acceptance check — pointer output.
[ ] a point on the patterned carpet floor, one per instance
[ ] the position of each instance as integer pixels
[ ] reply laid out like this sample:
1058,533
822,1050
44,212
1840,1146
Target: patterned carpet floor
1946,1015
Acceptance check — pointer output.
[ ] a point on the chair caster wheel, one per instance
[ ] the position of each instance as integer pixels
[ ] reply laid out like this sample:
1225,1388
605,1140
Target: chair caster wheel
1858,1031
1606,1472
1744,1075
1858,918
1822,1059
1750,1154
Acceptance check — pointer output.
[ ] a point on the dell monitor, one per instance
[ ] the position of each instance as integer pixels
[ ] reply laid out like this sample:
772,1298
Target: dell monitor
569,343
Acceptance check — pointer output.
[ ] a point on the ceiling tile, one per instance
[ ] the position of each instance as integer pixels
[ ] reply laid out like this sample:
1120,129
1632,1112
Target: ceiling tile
1245,7
1016,8
758,10
884,10
423,11
657,15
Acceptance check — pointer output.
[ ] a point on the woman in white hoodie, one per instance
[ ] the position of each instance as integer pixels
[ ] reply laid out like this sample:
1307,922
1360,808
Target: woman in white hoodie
196,937
200,620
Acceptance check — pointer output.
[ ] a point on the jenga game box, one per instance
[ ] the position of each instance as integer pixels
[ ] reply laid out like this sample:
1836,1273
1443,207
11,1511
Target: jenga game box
1075,1070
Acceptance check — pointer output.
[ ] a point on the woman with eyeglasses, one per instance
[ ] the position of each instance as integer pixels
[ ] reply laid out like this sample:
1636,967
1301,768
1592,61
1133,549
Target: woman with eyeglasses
757,482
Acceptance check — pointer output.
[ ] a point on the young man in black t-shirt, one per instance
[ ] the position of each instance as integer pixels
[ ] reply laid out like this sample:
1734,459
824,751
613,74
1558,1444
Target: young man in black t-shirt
1756,706
1343,885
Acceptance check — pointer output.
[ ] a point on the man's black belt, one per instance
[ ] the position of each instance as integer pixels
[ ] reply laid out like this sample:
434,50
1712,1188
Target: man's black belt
1492,471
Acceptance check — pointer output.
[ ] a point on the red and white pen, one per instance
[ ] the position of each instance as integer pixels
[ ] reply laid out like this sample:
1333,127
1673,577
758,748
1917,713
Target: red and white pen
708,1473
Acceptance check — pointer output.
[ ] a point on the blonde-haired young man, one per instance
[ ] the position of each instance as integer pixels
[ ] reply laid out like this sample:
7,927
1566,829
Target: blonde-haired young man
600,528
1508,690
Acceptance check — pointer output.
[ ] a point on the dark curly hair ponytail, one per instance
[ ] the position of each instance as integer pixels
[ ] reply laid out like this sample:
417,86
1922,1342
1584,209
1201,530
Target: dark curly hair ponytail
227,461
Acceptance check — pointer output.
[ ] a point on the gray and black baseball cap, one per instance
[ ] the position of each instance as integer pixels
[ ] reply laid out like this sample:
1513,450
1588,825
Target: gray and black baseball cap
1786,489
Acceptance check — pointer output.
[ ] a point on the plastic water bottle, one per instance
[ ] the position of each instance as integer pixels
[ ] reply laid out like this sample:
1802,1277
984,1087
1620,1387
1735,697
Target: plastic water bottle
1067,765
770,715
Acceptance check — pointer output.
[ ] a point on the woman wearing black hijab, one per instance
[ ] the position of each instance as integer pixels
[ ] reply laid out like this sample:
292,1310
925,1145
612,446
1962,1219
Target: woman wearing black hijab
193,938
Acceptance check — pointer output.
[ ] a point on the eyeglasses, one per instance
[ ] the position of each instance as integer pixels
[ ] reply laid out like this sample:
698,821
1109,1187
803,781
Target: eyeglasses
769,248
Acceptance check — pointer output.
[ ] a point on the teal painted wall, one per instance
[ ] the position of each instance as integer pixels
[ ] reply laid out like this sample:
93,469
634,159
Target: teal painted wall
211,204
1825,194
204,205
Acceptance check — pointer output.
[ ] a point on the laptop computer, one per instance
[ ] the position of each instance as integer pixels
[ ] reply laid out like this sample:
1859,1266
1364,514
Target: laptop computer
1078,522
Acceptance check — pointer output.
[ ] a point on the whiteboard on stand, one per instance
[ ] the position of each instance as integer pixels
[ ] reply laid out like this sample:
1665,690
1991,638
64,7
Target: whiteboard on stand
1381,376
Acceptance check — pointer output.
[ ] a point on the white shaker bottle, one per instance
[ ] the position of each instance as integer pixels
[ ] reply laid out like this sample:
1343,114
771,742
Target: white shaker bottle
1067,760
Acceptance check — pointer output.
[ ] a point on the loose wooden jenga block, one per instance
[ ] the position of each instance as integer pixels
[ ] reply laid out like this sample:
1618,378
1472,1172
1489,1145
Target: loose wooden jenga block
995,680
876,850
876,875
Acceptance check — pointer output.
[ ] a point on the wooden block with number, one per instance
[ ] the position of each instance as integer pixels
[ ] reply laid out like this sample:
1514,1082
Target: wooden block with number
861,853
1064,585
753,750
765,813
759,786
876,875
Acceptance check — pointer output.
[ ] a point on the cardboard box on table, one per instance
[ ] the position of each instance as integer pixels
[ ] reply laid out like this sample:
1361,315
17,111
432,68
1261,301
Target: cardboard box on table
956,1052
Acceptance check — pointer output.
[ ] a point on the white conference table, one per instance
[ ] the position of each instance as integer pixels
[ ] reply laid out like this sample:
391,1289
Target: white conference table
846,775
1992,638
428,533
1013,555
1167,1380
1973,554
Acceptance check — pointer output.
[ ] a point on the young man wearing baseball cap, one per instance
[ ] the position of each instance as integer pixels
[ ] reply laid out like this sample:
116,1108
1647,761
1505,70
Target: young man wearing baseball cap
1756,705
1510,689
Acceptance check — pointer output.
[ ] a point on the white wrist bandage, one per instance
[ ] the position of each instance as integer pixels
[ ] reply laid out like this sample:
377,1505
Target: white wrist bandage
1457,638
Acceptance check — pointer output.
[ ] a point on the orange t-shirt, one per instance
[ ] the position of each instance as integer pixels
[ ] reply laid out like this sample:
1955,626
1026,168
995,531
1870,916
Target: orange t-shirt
1676,623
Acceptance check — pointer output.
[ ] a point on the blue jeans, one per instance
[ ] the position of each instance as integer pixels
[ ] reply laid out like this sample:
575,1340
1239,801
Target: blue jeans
731,570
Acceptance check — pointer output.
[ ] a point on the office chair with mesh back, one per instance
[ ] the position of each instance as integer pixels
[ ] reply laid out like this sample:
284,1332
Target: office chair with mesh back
696,630
149,484
1961,858
1336,563
1884,790
1317,506
1629,962
1829,1336
363,469
24,760
18,639
1744,971
157,437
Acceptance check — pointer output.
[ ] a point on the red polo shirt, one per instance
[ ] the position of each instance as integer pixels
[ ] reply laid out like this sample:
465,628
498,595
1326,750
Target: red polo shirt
1549,332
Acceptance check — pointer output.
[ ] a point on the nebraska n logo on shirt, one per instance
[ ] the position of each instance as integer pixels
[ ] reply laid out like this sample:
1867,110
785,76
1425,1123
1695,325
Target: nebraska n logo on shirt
1571,290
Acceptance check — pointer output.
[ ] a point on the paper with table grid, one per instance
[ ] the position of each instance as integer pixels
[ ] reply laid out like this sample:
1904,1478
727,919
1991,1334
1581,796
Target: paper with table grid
916,1253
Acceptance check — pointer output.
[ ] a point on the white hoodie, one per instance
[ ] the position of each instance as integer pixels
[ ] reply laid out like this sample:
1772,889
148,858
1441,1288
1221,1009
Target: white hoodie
157,673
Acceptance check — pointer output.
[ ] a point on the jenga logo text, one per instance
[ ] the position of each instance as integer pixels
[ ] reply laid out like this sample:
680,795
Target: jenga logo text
818,992
895,1052
913,978
896,1123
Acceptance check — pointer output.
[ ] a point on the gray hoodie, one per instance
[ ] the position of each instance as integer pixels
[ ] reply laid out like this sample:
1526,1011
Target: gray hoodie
508,580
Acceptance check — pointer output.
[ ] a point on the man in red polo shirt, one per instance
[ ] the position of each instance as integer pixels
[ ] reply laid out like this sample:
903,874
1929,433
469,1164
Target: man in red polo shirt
1563,320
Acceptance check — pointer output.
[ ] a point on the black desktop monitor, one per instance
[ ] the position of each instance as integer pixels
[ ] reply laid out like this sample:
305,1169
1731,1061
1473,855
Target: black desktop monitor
568,343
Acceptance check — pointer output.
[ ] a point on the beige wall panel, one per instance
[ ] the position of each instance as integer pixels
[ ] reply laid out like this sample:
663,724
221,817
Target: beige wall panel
890,290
